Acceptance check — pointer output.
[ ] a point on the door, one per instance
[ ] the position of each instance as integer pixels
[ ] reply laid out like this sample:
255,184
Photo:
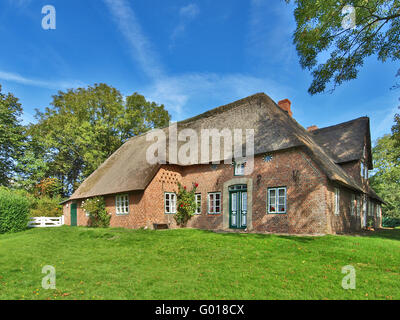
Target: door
238,207
73,214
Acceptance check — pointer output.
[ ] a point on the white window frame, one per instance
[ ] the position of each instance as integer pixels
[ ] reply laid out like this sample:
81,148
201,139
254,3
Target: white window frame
362,169
214,200
358,206
370,208
352,204
197,198
122,204
172,202
239,168
276,200
337,201
378,211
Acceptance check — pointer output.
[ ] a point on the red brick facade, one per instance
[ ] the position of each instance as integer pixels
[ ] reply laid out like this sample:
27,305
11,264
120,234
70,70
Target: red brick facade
310,199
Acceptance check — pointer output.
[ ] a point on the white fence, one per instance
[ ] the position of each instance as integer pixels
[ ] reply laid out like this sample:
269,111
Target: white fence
44,222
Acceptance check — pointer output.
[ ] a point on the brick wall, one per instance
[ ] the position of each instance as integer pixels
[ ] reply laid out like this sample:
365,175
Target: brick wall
306,193
309,197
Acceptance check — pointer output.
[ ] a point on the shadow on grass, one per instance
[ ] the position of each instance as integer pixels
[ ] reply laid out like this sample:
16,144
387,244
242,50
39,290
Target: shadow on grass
262,236
392,234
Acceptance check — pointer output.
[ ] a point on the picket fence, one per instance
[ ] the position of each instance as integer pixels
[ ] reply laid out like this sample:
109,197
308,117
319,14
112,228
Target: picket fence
44,222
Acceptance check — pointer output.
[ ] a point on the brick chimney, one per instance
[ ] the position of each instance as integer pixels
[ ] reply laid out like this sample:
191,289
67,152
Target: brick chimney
312,128
285,106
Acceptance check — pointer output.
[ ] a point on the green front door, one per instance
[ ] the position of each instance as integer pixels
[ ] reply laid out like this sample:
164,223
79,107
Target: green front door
238,206
73,214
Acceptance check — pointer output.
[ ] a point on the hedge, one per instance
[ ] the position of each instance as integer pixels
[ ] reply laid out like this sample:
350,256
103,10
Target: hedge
390,222
14,211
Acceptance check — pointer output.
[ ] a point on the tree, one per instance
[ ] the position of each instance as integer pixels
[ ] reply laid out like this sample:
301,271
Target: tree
386,180
84,126
11,136
324,26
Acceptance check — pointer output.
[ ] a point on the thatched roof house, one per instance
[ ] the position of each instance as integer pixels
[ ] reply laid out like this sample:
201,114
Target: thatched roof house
337,152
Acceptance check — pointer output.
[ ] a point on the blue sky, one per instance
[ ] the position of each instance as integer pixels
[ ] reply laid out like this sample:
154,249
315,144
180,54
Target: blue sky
190,56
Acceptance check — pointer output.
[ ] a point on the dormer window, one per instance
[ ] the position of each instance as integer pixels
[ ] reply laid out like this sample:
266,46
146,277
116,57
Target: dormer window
363,171
239,168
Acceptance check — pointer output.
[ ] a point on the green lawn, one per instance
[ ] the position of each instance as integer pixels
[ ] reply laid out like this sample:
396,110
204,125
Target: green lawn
195,264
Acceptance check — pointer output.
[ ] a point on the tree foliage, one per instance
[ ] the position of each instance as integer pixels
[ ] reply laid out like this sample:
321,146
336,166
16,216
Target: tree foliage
11,136
321,29
83,127
386,180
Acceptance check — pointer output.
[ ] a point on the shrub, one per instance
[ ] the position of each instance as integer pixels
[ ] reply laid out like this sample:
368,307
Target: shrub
389,222
46,207
14,211
96,209
186,204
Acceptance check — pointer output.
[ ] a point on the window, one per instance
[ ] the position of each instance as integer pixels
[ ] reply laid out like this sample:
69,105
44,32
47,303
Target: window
198,203
371,208
378,211
122,204
358,205
239,168
276,200
170,202
214,203
337,202
362,169
352,203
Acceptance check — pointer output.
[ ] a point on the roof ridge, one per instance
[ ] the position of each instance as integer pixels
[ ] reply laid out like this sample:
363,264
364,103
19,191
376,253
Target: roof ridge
341,123
223,108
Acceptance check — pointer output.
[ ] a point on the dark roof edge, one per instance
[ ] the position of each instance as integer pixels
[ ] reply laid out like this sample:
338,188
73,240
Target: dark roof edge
342,123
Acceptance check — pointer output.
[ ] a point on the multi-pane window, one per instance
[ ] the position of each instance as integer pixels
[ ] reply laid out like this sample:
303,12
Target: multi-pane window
122,204
170,202
198,203
337,201
352,203
239,168
358,205
364,170
214,203
378,211
276,200
371,208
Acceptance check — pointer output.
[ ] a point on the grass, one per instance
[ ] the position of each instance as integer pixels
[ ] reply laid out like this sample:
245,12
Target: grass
195,264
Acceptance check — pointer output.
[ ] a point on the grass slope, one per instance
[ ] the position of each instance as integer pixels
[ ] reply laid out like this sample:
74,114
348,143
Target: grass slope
195,264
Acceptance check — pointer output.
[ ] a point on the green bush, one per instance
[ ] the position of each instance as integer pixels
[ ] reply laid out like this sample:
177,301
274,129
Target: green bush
389,222
46,207
14,211
186,204
96,209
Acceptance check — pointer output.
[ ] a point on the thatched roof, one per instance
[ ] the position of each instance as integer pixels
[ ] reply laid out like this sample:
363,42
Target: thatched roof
128,170
345,141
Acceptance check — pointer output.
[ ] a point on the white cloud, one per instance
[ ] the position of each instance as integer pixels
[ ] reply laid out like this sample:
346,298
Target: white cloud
186,15
190,11
177,92
141,48
20,3
14,77
271,25
183,93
